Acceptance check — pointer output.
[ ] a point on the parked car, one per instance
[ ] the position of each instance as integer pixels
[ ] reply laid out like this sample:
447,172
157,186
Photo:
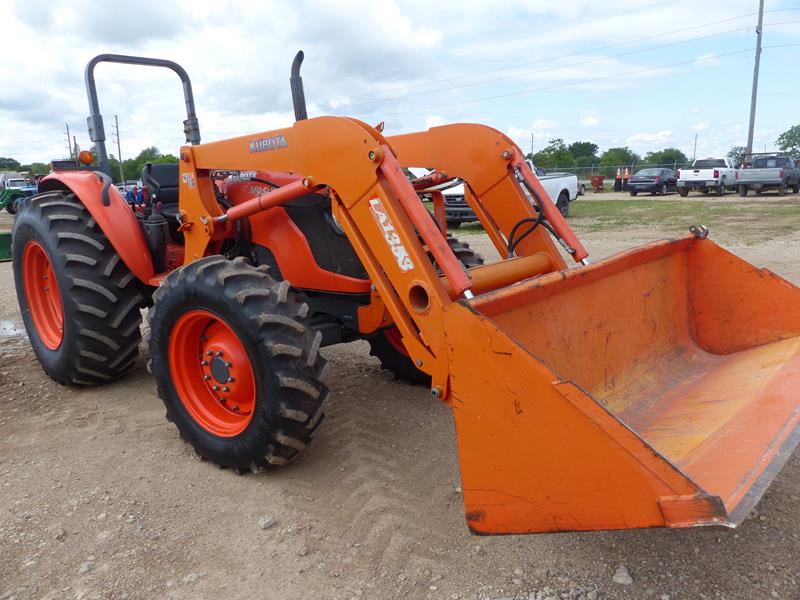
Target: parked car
561,187
707,174
654,180
768,171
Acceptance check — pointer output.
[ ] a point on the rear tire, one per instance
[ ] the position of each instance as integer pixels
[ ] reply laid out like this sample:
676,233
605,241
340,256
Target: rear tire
662,191
782,189
582,190
683,192
721,188
453,224
79,302
11,207
634,192
743,190
257,399
387,345
563,203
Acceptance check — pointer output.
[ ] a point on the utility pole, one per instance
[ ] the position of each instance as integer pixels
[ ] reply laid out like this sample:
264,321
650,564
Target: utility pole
69,140
755,77
119,149
531,145
694,154
74,148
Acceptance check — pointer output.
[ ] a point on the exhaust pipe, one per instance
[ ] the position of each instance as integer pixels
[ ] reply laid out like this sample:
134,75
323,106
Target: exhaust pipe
298,96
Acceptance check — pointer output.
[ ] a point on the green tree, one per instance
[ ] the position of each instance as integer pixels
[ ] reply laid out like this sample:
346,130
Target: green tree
789,141
735,153
133,166
666,157
37,168
584,149
619,156
9,164
555,154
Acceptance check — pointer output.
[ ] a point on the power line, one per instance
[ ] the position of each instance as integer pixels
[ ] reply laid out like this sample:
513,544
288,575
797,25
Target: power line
578,53
550,69
471,47
539,34
582,81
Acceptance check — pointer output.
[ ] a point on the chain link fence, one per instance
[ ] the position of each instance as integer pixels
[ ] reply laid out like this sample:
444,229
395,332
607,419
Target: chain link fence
610,171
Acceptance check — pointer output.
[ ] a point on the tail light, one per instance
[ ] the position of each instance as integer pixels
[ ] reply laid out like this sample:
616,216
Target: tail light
716,173
781,175
678,174
657,178
737,174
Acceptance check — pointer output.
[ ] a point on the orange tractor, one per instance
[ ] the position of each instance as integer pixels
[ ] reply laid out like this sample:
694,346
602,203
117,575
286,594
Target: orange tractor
659,387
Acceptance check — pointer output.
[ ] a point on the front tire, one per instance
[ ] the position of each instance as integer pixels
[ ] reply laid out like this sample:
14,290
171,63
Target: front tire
79,302
684,192
236,363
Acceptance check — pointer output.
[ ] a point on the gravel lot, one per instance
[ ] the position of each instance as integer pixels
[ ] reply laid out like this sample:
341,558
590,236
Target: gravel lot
99,498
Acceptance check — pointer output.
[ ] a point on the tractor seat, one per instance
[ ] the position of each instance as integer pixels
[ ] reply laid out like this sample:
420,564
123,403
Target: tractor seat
162,181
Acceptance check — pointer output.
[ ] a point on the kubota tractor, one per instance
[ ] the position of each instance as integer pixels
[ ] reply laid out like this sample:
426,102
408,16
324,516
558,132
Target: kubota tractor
659,387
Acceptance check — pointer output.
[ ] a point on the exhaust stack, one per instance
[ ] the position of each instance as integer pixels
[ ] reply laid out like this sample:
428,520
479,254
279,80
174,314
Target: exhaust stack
298,96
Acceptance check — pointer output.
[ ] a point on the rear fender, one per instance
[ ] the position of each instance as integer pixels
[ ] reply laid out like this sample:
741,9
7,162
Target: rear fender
115,220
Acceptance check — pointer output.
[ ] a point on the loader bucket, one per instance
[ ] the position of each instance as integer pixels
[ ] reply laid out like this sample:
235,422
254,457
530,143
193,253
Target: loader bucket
659,387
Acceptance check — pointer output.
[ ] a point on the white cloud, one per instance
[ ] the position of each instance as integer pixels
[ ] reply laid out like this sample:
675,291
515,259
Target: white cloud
589,121
700,126
660,136
544,124
708,59
434,121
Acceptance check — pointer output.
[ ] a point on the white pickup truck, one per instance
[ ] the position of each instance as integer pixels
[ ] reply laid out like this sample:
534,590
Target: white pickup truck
707,174
561,187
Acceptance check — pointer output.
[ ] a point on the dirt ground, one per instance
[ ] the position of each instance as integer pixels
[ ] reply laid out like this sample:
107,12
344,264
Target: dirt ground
99,498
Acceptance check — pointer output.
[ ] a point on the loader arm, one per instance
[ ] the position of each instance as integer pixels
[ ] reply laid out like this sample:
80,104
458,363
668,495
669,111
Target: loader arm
376,205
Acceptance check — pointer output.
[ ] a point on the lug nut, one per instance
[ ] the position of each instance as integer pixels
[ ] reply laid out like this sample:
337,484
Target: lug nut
215,388
210,353
226,389
204,363
206,377
228,364
231,379
219,352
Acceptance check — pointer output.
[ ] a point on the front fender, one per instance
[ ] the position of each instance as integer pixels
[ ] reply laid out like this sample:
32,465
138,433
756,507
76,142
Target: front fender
116,220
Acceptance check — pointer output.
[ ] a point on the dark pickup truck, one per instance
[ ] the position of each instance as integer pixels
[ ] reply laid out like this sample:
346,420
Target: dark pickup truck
768,171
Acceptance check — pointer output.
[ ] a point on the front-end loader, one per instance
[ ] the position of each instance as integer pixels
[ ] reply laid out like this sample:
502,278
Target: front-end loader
656,388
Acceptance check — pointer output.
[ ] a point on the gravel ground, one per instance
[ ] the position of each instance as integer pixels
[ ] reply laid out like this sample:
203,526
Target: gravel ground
99,498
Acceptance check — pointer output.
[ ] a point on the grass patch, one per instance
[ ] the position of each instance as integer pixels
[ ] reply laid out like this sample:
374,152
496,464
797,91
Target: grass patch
757,219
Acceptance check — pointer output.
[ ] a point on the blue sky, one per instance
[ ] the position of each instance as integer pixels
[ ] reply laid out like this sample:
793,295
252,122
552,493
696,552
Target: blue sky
646,74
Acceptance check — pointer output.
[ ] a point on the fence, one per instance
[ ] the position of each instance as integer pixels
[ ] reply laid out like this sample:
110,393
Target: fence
583,173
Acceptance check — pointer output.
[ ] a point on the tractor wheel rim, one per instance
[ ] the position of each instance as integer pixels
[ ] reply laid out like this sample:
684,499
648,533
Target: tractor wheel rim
395,339
212,373
42,295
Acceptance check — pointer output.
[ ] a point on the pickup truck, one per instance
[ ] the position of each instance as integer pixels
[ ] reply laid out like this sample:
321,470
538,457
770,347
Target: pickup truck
561,187
707,174
768,171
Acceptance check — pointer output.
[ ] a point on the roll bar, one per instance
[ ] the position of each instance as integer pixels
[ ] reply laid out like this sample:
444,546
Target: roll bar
97,133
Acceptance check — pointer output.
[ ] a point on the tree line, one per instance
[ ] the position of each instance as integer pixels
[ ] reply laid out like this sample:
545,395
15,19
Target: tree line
559,154
131,168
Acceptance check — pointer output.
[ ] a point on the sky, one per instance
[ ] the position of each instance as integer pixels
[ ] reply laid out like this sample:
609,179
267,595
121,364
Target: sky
647,74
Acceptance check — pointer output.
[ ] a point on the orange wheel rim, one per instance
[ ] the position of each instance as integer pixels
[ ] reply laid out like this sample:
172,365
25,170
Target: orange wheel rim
42,295
212,374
